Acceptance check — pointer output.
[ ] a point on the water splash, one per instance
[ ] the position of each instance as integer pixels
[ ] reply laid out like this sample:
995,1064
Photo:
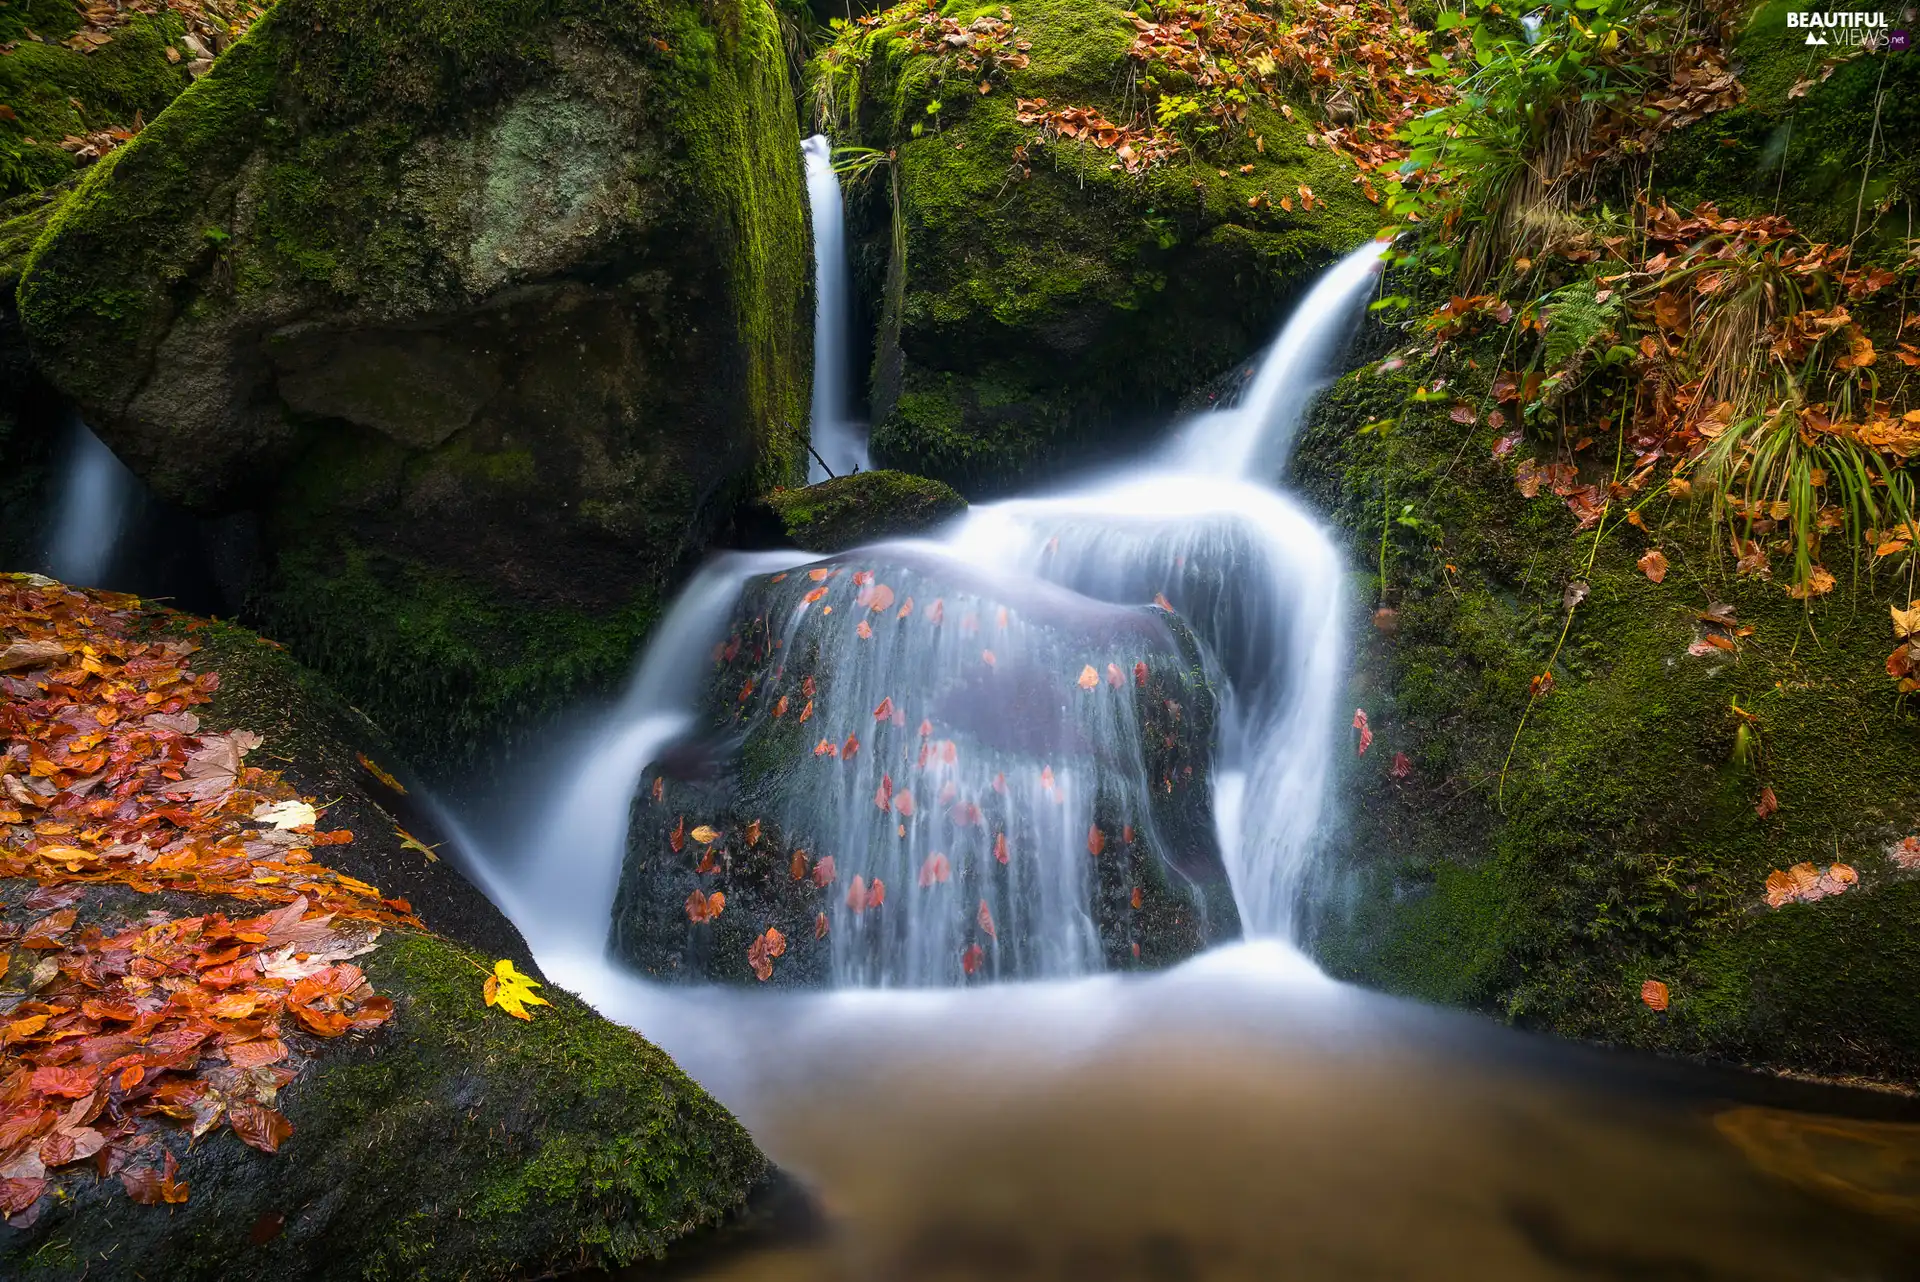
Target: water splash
839,443
97,493
1192,527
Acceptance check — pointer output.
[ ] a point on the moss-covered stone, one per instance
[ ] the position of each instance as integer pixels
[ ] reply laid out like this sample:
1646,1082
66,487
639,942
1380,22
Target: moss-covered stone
56,92
484,315
863,508
1805,154
1040,302
1544,861
453,1141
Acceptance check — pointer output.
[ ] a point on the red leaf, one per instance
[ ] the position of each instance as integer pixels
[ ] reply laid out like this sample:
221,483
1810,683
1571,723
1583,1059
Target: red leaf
985,918
1366,732
973,959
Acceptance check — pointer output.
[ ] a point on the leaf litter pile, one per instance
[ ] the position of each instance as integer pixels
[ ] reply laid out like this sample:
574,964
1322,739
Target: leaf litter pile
127,1029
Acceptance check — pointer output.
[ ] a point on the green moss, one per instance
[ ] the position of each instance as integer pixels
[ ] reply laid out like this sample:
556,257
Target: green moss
1051,302
1621,841
1804,155
867,506
441,661
456,1143
55,91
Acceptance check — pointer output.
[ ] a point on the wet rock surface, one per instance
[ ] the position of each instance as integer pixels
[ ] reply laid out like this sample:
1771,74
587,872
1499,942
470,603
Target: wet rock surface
913,776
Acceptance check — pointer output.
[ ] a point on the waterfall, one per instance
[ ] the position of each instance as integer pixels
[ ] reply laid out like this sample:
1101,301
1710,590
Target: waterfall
1193,525
837,440
96,493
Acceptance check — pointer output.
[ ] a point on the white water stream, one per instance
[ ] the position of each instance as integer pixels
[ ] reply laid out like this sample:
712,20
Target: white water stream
838,441
96,493
1238,1117
1198,524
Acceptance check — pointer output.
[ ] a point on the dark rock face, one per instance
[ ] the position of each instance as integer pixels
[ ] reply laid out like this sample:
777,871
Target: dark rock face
916,777
493,323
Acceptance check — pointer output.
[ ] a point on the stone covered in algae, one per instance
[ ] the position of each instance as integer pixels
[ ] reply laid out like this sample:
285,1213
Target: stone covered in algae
453,1142
1032,302
490,317
863,508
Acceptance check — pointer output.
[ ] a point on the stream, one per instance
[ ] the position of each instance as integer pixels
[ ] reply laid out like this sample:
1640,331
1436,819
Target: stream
1237,1116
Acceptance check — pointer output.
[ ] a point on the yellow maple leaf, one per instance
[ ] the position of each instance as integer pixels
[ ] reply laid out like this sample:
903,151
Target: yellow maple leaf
508,989
1906,622
705,836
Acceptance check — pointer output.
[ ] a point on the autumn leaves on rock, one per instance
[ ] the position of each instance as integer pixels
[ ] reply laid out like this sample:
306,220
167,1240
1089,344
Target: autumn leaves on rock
903,778
125,1033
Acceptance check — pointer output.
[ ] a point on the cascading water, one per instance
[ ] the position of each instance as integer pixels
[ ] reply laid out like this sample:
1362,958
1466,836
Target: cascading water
96,494
839,443
1193,526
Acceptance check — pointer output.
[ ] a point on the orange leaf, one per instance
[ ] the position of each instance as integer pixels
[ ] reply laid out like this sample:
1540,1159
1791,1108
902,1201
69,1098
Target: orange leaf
1000,846
1654,994
1096,840
1089,678
1653,565
985,918
1136,896
823,871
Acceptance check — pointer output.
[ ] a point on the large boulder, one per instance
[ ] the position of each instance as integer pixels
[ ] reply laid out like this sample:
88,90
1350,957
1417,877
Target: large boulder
490,320
1035,297
154,953
914,774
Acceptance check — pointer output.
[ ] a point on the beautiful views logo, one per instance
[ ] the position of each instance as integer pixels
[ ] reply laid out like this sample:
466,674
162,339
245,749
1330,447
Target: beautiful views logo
1844,27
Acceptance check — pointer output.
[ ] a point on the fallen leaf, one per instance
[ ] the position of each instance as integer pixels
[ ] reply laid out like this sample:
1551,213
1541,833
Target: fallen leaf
512,991
1089,678
1366,731
1654,994
972,959
1653,565
1767,804
1096,840
985,918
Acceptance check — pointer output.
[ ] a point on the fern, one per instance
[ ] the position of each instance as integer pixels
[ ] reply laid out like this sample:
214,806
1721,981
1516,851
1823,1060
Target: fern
1578,320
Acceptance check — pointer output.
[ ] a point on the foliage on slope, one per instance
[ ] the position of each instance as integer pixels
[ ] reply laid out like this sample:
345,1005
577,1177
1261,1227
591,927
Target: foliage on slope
1636,493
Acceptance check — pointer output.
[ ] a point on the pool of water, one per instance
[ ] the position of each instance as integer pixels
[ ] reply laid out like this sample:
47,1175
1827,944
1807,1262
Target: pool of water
1243,1117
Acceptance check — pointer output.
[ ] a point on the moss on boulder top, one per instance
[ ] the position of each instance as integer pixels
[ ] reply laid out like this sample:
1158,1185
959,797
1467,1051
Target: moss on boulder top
863,508
449,1141
1031,297
55,91
490,316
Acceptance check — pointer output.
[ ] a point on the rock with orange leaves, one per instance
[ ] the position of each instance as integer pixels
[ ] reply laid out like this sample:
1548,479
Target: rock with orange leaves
928,783
274,1027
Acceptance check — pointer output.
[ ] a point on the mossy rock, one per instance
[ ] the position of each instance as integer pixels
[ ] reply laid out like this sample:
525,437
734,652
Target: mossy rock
1543,861
484,316
56,92
1040,304
863,508
1836,157
451,1142
1006,801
